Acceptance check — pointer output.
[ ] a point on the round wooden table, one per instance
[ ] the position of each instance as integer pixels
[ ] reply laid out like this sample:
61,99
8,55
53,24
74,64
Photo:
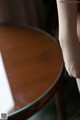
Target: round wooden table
34,66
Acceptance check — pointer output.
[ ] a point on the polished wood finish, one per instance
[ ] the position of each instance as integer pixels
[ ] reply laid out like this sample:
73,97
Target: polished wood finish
33,63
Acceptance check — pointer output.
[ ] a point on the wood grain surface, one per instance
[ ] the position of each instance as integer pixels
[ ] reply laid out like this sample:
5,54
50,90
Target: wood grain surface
32,61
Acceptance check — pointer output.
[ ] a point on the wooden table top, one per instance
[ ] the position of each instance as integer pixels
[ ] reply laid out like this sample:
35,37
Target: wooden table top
32,61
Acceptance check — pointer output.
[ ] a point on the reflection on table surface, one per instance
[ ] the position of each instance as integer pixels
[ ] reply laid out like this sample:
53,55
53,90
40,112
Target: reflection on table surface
6,99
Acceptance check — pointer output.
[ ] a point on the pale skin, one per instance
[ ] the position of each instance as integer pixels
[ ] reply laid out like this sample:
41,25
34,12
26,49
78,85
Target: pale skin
69,37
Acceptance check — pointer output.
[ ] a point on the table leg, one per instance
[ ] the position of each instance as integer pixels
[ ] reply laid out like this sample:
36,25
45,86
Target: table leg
61,109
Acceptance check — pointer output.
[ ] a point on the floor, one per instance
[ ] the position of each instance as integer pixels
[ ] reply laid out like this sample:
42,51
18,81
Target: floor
72,102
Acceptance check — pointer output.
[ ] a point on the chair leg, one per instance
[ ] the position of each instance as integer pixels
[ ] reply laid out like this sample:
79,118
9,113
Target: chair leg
61,109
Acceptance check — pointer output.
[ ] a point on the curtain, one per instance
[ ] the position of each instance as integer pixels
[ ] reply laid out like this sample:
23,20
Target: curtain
23,12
